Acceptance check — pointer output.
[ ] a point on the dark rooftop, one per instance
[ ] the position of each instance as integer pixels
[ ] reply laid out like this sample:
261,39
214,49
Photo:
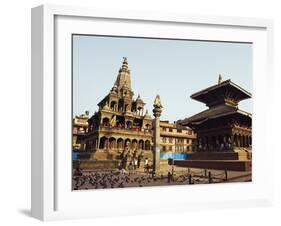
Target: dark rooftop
212,113
226,87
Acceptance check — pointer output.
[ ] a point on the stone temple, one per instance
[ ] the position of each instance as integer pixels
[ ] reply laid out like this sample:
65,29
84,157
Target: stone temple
121,123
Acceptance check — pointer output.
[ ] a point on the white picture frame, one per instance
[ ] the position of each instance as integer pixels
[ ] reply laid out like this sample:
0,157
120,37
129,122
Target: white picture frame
52,197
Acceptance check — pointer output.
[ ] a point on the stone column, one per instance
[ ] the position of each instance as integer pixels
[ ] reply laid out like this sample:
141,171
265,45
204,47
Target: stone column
157,110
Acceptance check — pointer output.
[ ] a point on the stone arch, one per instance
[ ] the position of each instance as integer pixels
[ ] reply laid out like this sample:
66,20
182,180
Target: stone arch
113,105
103,143
120,105
120,143
127,143
134,144
120,121
129,124
137,123
141,144
105,121
147,145
112,143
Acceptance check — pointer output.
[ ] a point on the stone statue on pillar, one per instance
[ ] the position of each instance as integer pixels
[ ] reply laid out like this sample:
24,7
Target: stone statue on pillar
157,110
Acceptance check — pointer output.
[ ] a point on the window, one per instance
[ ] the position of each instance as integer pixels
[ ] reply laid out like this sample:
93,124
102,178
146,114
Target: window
180,140
170,140
179,130
170,148
170,130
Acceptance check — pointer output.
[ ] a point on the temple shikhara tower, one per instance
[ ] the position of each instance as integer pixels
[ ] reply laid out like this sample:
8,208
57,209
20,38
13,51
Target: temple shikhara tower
121,124
223,127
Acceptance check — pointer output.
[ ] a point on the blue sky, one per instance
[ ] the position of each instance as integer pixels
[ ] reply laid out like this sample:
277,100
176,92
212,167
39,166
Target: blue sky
174,69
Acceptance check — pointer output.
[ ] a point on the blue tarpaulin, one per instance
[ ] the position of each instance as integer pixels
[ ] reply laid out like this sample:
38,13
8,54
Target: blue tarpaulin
176,155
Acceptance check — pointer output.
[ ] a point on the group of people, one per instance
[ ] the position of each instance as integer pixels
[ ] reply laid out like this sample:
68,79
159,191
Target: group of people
133,162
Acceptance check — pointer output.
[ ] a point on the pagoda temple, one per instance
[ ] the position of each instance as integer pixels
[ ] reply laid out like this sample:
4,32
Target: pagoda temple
223,127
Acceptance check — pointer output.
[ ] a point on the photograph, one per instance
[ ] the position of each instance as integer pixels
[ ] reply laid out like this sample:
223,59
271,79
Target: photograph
156,112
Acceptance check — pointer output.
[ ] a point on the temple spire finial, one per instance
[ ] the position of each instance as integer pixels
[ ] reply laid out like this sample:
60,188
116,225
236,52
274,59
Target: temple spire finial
125,63
220,79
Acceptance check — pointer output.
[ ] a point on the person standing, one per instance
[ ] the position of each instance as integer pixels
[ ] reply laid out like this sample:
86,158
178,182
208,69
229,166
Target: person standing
172,174
130,168
146,165
169,177
135,163
139,160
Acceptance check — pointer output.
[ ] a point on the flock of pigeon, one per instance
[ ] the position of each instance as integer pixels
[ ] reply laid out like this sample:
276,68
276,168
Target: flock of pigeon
117,179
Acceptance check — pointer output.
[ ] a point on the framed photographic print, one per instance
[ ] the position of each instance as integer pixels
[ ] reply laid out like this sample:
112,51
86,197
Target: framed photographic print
135,112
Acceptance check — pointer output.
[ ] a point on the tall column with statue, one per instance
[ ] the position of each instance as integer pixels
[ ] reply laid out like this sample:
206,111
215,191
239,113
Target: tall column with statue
157,110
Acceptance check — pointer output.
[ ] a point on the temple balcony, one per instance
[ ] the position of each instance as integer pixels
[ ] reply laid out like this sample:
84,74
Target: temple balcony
130,113
125,131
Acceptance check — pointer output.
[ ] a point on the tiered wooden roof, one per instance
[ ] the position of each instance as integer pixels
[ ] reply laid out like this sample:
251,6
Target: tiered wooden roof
222,100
